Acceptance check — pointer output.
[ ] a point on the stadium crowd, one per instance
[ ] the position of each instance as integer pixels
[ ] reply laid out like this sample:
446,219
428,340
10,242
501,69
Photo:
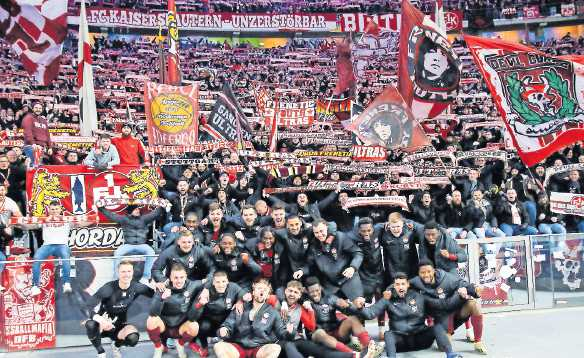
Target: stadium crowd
226,243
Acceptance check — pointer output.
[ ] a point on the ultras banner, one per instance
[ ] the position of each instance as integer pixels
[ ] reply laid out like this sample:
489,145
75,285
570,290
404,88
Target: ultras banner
172,114
540,97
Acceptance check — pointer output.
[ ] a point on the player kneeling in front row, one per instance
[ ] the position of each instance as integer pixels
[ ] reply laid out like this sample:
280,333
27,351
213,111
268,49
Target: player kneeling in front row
254,333
407,310
114,298
331,331
439,284
172,312
303,316
213,306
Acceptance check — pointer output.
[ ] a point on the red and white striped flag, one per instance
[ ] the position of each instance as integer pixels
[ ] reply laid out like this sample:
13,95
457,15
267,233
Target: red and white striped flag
36,31
87,110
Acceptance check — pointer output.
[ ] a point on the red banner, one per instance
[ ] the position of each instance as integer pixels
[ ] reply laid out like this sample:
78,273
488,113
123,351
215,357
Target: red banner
429,70
172,114
78,187
358,22
368,153
531,12
27,321
391,22
219,21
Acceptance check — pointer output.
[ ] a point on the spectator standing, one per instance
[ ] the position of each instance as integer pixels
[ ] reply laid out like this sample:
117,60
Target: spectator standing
36,134
130,149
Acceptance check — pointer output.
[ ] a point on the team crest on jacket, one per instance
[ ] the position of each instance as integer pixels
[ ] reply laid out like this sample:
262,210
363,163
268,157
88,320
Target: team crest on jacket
434,70
440,292
413,305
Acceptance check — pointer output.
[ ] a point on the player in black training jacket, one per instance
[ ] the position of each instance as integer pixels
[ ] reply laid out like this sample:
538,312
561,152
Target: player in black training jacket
107,311
172,312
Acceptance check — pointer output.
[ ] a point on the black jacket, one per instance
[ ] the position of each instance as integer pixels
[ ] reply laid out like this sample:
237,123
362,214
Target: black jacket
445,286
453,215
198,262
220,305
325,312
399,254
297,249
371,270
331,259
177,308
408,314
135,229
444,242
267,327
504,216
270,261
237,271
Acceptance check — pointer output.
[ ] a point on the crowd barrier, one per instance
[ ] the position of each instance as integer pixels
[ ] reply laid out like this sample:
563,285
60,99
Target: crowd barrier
516,273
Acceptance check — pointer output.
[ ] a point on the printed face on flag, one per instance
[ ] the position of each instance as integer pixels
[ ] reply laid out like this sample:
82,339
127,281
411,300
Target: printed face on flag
433,69
388,123
539,96
429,69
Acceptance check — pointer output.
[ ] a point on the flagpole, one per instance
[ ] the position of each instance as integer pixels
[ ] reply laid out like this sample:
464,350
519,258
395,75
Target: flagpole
173,58
87,106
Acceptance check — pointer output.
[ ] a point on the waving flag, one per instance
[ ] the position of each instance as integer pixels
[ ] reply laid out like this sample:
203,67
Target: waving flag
540,97
227,120
346,79
373,44
429,69
388,122
87,108
36,33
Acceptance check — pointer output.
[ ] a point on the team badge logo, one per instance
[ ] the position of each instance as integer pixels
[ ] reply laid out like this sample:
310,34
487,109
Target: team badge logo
413,305
543,100
191,262
434,70
440,293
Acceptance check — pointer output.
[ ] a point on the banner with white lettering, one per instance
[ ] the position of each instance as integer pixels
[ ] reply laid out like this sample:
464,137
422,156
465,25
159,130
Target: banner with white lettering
567,203
295,114
27,322
368,153
219,21
377,201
